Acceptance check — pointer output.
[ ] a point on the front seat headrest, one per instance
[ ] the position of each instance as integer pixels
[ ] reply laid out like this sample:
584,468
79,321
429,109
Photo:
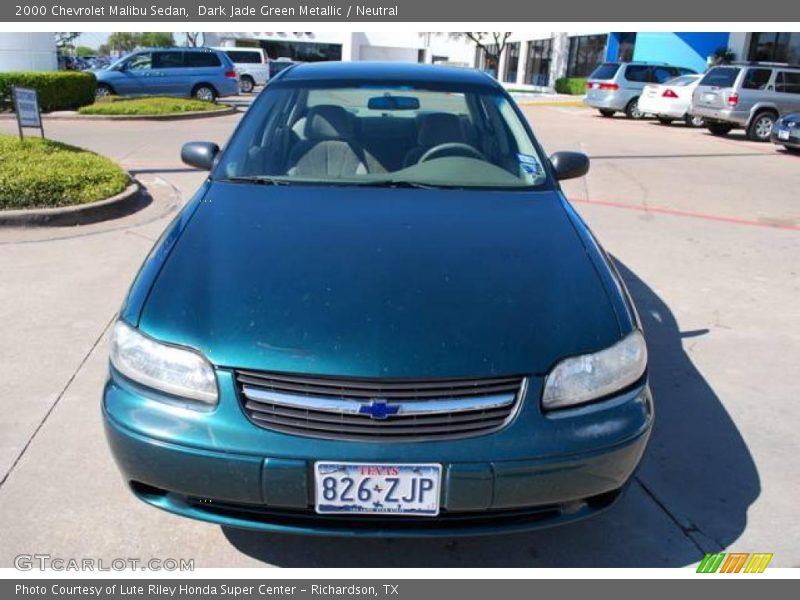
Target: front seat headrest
328,122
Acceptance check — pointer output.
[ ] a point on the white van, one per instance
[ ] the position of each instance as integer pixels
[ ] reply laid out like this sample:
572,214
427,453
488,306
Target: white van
252,65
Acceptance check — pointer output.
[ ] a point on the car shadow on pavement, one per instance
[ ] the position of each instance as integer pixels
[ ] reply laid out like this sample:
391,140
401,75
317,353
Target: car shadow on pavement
689,496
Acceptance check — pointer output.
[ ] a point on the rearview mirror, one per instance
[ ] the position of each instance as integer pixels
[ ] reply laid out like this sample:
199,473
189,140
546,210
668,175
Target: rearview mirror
569,165
199,154
393,103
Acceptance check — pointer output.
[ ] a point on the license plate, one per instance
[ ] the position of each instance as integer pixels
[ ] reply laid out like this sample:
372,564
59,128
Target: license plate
386,489
783,135
709,98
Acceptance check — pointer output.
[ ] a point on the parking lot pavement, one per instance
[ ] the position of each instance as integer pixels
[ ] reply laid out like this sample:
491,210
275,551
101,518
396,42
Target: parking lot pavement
706,231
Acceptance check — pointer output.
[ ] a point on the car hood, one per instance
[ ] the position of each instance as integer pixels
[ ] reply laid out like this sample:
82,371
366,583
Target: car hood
370,282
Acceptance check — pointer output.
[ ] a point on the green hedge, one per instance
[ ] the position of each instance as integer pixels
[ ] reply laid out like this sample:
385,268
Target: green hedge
36,173
575,86
58,90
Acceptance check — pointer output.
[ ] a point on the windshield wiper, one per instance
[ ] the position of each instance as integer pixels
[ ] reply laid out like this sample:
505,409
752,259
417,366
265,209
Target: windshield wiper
259,179
385,183
400,183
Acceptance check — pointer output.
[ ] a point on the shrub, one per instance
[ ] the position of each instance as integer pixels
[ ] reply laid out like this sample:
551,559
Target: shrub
574,86
36,173
150,105
58,90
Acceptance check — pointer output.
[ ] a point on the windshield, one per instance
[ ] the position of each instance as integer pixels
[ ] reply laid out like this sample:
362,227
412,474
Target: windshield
605,71
383,135
721,77
683,80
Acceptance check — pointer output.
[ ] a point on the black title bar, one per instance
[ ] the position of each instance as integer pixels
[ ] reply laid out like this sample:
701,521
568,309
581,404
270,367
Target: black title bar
451,11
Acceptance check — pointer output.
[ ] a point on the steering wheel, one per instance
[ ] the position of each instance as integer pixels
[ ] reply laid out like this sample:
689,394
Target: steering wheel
450,146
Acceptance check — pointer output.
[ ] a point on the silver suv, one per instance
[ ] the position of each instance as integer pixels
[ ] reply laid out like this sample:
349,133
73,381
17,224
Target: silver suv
749,95
252,65
616,86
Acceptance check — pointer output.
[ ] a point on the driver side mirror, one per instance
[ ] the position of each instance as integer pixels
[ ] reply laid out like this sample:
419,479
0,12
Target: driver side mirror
199,154
569,165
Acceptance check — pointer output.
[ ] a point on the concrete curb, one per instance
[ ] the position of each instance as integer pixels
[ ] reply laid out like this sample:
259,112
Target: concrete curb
74,116
121,204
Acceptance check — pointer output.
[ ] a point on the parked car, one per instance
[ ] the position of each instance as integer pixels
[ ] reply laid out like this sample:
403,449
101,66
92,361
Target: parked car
72,63
748,95
201,73
97,62
252,65
671,101
616,86
786,132
379,315
279,64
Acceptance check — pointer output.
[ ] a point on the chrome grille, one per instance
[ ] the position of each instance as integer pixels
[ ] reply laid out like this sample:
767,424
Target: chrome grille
378,409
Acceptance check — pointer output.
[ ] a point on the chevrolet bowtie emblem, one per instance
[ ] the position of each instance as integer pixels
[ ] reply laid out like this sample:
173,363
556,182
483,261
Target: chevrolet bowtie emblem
379,409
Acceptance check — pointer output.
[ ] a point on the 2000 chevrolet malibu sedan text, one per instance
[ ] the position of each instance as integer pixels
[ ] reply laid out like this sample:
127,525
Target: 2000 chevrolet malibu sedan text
379,316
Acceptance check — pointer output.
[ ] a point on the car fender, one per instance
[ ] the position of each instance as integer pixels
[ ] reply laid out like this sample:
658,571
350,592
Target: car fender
761,106
151,267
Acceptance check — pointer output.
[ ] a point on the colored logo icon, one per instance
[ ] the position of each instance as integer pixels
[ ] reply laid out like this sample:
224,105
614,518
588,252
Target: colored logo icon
734,562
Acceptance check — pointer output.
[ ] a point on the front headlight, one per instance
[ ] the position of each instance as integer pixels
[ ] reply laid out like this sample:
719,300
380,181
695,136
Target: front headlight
583,378
177,371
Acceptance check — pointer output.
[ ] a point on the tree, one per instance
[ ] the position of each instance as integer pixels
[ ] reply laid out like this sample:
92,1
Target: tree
123,41
491,43
156,39
104,50
85,51
722,56
64,40
194,38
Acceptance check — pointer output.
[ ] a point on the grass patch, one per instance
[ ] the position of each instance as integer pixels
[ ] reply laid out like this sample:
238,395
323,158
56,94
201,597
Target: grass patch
37,173
148,106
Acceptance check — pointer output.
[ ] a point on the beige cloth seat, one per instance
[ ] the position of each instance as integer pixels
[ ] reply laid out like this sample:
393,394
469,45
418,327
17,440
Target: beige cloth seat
329,149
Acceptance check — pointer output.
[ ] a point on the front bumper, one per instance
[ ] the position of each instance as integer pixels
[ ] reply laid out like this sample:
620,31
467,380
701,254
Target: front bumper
793,133
221,468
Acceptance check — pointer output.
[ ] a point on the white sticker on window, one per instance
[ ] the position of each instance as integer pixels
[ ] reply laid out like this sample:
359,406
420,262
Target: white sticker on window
528,163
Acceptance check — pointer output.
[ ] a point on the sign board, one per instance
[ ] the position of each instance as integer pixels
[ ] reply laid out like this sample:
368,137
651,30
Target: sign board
26,105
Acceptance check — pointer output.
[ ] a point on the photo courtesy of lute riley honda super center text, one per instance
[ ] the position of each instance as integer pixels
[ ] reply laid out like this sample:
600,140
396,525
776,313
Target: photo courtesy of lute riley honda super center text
172,590
263,10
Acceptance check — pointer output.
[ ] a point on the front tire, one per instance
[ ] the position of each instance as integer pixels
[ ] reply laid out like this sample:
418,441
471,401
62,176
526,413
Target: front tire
632,110
103,90
760,126
204,92
607,113
246,84
719,128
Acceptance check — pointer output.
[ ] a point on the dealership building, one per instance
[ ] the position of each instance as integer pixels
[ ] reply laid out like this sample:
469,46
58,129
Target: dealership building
537,60
28,52
531,60
313,46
